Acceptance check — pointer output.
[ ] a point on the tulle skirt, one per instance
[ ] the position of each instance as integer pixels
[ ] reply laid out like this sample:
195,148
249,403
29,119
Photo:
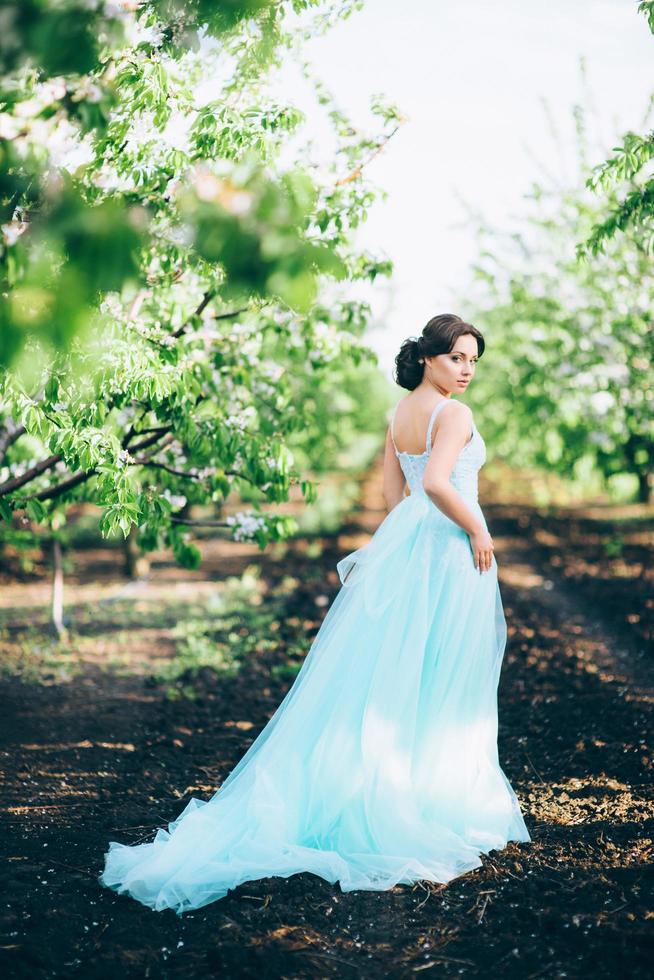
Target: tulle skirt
380,765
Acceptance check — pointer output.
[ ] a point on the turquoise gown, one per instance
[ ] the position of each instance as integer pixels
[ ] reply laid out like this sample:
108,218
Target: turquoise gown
380,765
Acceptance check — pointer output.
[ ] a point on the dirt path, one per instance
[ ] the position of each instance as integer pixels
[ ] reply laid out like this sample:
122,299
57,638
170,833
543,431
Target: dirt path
109,757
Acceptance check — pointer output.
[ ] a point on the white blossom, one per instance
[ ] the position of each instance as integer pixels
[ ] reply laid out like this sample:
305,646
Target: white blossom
245,524
9,127
602,401
108,178
87,91
601,439
175,133
51,91
12,231
149,35
617,372
240,420
176,501
250,348
141,131
181,234
196,355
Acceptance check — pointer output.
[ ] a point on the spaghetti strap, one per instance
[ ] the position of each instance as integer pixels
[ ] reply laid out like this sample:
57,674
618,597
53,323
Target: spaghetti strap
392,420
429,428
435,412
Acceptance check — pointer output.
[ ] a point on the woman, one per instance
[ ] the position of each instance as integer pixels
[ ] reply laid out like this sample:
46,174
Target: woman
380,765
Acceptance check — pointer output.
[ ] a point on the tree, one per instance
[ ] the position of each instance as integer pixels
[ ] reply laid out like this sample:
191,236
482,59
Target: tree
635,210
174,293
566,378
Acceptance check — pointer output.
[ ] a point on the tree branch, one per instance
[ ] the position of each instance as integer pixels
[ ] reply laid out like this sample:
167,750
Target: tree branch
227,316
166,442
51,493
168,469
184,520
206,299
150,441
28,475
9,436
131,432
142,432
364,163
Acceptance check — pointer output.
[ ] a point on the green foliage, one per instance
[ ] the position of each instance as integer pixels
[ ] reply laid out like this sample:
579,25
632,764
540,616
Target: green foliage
226,634
174,312
566,380
59,38
624,169
614,546
635,211
647,7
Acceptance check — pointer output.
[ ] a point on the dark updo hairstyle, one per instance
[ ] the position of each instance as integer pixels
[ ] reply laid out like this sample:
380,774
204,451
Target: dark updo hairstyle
438,337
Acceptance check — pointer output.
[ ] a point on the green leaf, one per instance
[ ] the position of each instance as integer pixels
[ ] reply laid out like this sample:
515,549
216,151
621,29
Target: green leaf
35,510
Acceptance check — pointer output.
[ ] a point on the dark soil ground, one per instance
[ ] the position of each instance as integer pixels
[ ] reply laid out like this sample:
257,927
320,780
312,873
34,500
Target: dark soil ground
111,754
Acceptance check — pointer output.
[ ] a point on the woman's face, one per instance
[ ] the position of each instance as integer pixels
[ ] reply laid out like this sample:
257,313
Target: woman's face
453,372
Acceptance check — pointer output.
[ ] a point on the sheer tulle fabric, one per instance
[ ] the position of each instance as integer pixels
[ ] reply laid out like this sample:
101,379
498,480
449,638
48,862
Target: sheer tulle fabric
380,765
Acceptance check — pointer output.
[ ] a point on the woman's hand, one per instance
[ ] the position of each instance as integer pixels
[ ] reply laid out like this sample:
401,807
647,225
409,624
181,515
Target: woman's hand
482,550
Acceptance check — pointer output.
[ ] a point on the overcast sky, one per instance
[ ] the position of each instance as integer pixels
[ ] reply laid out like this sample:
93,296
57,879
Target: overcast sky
472,76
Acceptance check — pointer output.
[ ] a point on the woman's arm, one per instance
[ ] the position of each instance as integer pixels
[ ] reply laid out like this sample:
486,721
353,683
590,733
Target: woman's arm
452,433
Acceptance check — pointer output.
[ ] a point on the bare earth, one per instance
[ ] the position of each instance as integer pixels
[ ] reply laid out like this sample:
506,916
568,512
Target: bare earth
111,755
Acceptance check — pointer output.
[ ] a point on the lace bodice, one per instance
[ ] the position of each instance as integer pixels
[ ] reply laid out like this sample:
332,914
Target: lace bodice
464,474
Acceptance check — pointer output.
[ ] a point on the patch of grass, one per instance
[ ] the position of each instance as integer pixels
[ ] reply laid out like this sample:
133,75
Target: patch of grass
37,656
160,634
234,625
170,640
614,545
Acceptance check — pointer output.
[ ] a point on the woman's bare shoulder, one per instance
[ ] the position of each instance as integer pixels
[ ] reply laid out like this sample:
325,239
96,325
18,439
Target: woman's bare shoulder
456,410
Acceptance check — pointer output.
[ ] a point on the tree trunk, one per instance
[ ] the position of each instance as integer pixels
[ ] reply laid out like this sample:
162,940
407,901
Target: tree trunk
645,487
137,564
632,448
57,589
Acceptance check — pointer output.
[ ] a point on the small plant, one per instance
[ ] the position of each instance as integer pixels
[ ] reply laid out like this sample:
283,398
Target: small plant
614,546
234,625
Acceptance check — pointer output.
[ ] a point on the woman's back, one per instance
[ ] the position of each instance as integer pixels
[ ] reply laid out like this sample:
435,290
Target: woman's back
416,413
410,423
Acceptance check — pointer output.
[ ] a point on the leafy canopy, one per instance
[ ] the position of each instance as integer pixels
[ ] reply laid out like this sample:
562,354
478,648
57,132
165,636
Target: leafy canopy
177,261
